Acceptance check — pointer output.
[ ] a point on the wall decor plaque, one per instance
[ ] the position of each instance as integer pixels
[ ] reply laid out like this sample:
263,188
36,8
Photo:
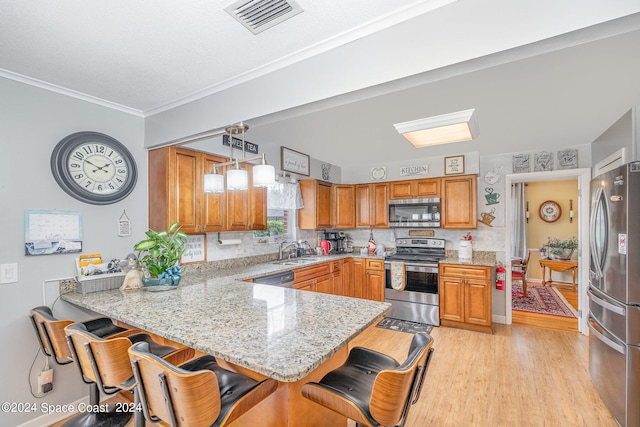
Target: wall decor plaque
520,163
294,161
454,165
568,159
543,161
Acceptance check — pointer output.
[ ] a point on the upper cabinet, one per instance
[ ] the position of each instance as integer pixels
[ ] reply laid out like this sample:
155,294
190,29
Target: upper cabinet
458,202
414,188
371,205
343,206
176,194
316,196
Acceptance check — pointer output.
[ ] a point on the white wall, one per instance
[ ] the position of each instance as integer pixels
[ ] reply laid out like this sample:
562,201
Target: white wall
32,121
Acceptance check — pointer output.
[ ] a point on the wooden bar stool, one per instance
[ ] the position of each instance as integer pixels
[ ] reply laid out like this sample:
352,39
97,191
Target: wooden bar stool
50,332
198,393
104,363
373,389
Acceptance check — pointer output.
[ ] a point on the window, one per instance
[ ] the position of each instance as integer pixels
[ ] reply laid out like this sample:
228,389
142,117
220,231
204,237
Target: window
278,224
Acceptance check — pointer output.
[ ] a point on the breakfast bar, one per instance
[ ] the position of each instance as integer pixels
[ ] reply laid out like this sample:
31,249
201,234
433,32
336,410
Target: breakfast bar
290,335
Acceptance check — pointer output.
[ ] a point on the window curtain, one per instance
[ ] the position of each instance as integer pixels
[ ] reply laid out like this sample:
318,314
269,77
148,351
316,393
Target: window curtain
284,195
518,221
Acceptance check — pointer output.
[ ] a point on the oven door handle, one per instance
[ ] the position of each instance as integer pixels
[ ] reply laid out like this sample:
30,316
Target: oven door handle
417,267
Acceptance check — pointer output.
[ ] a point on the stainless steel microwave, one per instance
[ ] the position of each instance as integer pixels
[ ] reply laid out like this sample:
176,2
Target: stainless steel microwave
419,213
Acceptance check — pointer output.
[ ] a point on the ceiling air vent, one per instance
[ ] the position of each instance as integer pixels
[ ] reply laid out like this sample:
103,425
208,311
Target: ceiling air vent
259,15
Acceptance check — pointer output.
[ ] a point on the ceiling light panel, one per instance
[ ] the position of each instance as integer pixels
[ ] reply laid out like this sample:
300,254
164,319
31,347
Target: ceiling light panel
260,15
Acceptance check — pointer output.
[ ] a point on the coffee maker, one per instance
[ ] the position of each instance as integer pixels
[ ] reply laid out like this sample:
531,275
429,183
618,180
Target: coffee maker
338,241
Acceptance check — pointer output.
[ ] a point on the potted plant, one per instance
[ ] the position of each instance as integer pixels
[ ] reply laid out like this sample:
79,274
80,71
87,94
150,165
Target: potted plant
159,254
561,249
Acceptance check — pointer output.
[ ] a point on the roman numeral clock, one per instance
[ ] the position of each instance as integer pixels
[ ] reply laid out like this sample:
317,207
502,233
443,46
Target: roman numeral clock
94,168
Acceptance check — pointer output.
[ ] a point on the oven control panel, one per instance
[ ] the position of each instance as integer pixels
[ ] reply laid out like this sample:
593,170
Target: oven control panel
423,242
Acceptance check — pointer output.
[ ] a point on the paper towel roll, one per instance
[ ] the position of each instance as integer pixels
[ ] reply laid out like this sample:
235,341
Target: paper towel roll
229,242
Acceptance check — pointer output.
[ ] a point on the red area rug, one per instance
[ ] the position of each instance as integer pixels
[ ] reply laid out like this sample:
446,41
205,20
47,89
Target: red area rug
540,299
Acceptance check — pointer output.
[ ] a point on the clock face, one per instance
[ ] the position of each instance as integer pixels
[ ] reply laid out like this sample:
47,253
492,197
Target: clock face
550,211
94,168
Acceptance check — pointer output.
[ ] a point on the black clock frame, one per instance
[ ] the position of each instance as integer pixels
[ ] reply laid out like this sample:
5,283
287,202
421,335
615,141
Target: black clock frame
64,149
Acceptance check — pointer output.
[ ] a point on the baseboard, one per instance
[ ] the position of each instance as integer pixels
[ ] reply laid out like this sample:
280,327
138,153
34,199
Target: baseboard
498,318
54,416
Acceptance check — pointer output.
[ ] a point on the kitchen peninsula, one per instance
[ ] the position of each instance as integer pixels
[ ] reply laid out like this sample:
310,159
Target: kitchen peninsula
290,335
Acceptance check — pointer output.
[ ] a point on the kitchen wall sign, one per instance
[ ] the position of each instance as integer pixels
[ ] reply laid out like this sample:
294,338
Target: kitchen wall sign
124,225
520,163
195,249
326,171
568,159
487,217
454,165
378,173
492,198
237,144
543,161
414,170
294,161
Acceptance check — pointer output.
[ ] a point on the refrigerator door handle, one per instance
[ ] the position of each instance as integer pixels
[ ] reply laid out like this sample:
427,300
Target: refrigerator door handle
592,243
610,343
602,303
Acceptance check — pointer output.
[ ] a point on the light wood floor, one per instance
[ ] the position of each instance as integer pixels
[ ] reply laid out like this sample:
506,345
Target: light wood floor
519,376
546,321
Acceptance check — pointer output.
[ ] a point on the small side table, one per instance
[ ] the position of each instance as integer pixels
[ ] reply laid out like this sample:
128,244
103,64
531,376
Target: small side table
559,266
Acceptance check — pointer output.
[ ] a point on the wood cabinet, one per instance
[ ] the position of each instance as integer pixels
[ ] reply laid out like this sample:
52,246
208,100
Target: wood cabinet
343,206
315,278
347,277
176,194
371,205
368,279
459,202
176,191
316,213
465,296
414,188
337,279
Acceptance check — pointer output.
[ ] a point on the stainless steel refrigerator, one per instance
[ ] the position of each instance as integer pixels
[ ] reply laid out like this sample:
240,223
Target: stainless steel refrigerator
614,291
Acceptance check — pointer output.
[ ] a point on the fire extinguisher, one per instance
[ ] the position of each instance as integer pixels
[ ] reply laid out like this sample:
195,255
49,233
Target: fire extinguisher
501,274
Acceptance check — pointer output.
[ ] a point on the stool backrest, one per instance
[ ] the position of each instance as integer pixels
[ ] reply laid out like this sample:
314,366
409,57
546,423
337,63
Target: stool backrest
50,333
77,336
394,389
174,395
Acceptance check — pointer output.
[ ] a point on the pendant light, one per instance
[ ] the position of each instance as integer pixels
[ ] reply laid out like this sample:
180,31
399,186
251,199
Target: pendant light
213,182
264,175
237,179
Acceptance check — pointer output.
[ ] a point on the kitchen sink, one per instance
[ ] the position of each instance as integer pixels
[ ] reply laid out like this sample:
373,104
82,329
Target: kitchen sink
297,261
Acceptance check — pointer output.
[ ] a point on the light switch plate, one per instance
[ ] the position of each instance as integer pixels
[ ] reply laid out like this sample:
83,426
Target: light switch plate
8,273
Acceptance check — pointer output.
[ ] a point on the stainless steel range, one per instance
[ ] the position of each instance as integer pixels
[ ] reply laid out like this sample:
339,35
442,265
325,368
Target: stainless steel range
419,300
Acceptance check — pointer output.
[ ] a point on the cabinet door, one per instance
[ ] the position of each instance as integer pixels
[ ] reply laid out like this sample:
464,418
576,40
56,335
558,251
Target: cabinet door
347,277
452,299
477,302
257,208
359,273
401,189
363,205
375,285
305,285
323,213
459,202
184,202
237,207
213,204
343,206
323,284
427,188
379,206
316,196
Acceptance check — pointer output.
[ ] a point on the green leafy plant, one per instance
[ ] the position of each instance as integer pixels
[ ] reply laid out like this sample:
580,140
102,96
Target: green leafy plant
562,249
161,250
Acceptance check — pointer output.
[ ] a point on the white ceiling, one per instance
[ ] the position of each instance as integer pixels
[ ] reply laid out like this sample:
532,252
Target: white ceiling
142,56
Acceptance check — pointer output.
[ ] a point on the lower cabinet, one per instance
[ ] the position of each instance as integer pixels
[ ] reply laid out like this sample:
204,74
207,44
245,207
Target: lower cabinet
351,277
465,296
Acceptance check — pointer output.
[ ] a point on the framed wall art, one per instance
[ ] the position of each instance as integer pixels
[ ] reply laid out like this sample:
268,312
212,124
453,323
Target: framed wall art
294,161
454,165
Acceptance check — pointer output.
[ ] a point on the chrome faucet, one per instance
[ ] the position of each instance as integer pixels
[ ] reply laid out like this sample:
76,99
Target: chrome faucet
283,248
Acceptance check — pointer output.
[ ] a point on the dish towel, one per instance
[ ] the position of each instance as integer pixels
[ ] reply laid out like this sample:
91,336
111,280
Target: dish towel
398,275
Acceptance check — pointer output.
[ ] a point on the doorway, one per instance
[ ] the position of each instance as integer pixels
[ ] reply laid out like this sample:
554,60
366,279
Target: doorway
581,178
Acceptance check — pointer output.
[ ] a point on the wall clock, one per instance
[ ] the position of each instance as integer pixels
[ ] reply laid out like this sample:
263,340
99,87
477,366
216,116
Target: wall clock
550,211
94,168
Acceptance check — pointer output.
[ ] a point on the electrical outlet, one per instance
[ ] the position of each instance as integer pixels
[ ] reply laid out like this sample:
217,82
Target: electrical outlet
45,381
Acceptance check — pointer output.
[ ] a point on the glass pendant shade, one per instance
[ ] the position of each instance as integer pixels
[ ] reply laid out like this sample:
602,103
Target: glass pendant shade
213,183
237,180
264,175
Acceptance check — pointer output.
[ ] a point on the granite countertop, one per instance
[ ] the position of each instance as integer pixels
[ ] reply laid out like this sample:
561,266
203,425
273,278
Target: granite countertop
278,332
480,258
